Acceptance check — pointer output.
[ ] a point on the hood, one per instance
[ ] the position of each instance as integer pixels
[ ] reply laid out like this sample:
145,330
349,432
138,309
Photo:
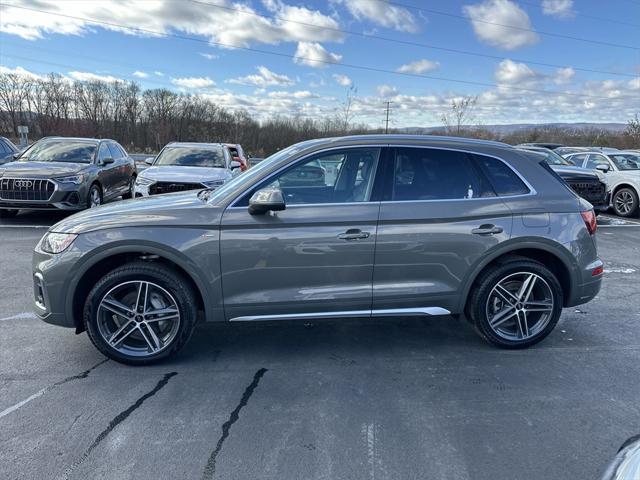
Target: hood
177,174
175,209
42,169
575,174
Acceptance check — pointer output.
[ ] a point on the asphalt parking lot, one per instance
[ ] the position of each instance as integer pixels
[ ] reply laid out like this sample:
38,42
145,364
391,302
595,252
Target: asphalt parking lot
384,399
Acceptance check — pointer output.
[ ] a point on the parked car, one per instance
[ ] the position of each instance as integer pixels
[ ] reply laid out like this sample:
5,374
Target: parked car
564,151
411,225
67,174
622,171
626,463
7,150
589,185
253,161
186,166
550,146
237,155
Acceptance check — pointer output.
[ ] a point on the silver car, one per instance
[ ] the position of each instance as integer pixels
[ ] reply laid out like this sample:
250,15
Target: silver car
184,166
408,226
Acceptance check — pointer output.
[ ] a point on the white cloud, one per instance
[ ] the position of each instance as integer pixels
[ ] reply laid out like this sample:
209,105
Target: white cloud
419,66
209,56
221,25
386,91
23,72
158,74
489,17
513,73
558,8
564,75
342,80
93,77
193,82
140,74
300,94
264,78
382,13
314,55
634,84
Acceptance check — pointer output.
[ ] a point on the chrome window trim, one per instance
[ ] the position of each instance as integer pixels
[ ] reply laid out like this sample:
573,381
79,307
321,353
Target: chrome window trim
532,190
397,312
284,167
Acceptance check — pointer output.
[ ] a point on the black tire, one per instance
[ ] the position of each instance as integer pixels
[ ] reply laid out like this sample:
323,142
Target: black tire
478,308
132,186
94,188
8,213
625,202
165,277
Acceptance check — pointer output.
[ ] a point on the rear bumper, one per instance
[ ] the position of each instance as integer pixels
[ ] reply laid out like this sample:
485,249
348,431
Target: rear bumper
588,289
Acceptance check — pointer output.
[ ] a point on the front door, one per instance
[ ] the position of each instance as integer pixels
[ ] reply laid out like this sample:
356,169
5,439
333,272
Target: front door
315,258
441,215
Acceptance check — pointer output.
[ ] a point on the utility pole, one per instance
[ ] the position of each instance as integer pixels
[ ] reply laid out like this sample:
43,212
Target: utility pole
388,110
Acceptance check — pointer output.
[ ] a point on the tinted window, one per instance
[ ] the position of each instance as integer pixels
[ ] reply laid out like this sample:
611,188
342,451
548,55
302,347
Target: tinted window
504,180
116,153
426,174
191,157
60,151
595,160
332,177
104,152
3,149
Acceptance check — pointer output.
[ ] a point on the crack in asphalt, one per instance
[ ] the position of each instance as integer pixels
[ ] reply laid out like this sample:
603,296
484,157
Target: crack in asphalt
44,390
117,420
210,468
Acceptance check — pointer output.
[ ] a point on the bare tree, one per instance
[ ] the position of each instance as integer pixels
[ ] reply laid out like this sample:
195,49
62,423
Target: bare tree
460,115
347,114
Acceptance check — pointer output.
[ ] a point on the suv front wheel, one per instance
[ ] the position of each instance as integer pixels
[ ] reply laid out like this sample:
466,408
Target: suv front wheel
516,304
140,313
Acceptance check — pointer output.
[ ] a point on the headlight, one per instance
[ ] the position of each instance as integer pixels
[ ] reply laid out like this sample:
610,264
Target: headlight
142,181
54,242
213,183
76,179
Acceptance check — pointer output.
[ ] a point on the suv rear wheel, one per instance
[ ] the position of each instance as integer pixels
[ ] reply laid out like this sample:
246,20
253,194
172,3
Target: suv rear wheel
516,304
140,313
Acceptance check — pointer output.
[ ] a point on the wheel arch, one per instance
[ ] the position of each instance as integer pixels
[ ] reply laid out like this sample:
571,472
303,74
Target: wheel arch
625,184
84,278
552,255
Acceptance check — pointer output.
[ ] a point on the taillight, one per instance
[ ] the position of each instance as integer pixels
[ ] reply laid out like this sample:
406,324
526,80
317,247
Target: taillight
589,218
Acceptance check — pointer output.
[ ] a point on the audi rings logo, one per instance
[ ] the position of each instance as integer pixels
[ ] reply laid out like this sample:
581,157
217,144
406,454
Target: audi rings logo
23,184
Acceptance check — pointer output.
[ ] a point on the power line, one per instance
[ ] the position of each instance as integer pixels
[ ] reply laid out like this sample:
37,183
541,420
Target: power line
408,42
325,62
532,30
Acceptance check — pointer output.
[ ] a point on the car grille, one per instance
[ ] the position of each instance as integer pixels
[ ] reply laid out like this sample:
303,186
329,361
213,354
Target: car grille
595,191
170,187
26,189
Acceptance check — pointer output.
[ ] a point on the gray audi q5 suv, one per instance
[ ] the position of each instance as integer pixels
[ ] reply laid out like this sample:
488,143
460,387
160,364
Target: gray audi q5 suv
363,226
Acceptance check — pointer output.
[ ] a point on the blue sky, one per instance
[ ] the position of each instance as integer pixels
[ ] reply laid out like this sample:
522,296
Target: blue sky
186,45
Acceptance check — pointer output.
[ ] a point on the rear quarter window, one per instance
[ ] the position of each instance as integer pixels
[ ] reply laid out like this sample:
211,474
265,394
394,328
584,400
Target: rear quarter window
504,180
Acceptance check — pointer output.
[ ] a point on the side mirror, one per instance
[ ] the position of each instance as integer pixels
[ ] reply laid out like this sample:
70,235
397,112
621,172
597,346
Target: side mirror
234,164
16,155
603,167
267,199
107,161
149,160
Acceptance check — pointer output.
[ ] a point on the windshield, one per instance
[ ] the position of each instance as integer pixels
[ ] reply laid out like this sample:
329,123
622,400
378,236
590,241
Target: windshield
626,161
191,157
60,151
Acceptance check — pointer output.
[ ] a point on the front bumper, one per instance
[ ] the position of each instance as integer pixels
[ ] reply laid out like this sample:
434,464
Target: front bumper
50,278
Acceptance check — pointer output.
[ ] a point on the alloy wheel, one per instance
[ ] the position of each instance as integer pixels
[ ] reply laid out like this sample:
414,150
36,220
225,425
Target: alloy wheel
94,198
520,306
624,202
138,318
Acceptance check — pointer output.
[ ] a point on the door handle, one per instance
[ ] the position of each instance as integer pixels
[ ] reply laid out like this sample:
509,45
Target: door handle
487,229
353,234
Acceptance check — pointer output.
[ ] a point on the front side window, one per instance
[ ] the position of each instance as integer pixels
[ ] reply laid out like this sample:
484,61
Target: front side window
116,152
191,157
578,159
104,152
60,151
333,177
429,174
595,160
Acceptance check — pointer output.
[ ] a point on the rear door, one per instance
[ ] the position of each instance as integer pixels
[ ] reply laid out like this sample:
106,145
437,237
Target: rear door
315,258
440,216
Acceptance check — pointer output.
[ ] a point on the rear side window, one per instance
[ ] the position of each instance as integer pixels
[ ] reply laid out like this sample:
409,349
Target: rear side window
504,180
579,159
429,174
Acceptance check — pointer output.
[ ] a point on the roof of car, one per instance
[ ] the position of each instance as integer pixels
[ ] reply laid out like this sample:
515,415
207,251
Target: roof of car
195,144
397,138
78,139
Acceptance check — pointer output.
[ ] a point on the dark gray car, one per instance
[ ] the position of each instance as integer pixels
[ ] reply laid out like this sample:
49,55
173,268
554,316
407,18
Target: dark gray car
66,174
407,226
7,150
